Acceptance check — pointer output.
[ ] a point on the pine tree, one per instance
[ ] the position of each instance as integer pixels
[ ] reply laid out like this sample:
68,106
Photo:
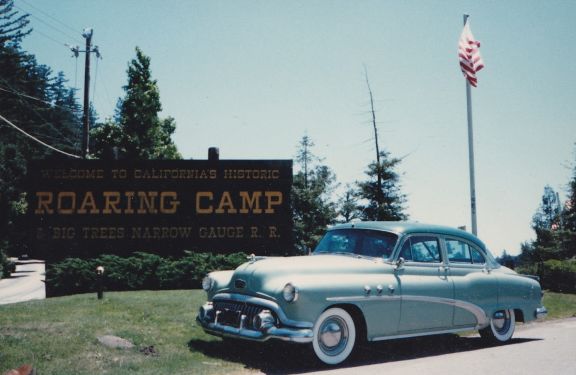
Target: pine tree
569,213
554,240
37,102
13,26
312,208
568,240
381,193
142,134
348,205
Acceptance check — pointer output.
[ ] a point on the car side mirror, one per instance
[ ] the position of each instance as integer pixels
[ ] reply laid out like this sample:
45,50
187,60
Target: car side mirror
400,263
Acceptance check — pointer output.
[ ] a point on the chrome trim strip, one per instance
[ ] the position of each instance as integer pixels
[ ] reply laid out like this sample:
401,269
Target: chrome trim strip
363,298
478,312
265,303
426,333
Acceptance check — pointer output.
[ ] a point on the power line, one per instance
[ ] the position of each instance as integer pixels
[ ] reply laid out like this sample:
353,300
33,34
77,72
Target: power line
49,25
36,139
48,15
37,99
50,38
70,110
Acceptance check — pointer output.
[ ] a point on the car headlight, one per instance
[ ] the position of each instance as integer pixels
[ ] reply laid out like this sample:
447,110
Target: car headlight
290,293
207,283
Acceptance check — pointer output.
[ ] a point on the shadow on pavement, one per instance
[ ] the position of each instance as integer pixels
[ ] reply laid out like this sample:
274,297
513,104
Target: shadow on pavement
286,358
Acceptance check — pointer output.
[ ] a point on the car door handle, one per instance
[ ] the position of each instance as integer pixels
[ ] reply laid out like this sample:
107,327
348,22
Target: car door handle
444,268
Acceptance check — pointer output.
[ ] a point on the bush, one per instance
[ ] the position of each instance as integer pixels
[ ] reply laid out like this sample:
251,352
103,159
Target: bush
137,272
6,265
555,275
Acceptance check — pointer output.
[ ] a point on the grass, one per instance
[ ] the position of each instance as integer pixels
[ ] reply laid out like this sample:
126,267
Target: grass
59,336
560,305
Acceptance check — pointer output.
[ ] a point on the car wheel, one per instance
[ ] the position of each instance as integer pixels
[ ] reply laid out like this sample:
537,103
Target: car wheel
334,336
501,327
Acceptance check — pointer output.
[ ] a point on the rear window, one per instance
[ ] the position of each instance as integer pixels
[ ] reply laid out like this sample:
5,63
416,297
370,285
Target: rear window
363,242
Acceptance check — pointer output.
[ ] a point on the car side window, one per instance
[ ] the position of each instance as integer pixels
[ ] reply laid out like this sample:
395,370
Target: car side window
477,256
461,252
423,249
458,251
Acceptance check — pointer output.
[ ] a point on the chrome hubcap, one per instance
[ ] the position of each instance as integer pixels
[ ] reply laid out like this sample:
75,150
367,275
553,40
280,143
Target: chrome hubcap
333,335
501,321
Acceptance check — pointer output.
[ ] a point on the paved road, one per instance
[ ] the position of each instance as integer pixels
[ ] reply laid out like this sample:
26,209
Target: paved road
541,348
27,283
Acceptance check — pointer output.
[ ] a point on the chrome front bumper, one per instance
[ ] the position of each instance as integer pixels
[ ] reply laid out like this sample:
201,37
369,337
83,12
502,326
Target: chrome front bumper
286,334
272,322
541,312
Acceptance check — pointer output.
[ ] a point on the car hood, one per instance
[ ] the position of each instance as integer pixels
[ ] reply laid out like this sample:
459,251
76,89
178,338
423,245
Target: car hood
269,275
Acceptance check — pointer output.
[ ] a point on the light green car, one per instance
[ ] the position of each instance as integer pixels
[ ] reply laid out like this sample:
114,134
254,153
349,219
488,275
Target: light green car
371,281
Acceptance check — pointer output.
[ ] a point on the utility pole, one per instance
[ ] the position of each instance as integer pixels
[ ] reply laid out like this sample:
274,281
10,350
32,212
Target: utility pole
87,34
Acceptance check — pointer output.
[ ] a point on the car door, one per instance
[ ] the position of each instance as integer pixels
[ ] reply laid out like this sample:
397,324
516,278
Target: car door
475,287
426,289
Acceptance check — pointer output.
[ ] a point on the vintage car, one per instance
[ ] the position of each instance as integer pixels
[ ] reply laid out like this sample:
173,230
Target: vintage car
371,281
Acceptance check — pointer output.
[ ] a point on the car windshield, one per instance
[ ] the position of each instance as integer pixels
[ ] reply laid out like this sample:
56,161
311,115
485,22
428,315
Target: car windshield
362,242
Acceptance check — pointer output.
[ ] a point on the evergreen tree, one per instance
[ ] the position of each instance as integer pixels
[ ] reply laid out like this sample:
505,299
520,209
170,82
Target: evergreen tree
569,212
547,217
348,205
554,237
507,260
138,132
380,193
312,208
35,101
568,233
545,222
13,26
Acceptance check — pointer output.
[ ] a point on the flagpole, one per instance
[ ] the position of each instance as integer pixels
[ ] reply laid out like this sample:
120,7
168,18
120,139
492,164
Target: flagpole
471,153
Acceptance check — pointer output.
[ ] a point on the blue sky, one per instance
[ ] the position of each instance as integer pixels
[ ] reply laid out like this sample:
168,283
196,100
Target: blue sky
253,77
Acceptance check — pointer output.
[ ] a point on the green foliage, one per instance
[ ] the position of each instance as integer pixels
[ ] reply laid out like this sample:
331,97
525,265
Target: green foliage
138,272
555,275
54,119
6,265
553,253
569,212
137,132
548,214
312,208
348,205
13,27
380,193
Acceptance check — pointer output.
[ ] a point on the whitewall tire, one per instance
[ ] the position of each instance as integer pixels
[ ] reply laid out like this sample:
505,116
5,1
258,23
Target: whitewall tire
334,336
501,327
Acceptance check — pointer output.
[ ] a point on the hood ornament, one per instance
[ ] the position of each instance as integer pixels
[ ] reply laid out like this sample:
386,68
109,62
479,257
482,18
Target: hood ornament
254,258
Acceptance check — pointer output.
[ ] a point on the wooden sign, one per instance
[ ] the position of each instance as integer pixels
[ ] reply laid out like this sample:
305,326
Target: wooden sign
88,207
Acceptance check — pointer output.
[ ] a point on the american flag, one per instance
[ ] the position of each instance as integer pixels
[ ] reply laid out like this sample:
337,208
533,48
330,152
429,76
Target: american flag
469,54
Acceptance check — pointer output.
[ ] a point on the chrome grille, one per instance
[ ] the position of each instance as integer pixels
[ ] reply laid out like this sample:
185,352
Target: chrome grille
232,311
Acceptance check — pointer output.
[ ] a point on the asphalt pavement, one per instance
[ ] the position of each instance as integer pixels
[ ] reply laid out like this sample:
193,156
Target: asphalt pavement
539,348
26,284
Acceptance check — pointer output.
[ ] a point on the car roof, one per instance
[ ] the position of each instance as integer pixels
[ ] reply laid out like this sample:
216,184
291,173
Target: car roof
405,227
